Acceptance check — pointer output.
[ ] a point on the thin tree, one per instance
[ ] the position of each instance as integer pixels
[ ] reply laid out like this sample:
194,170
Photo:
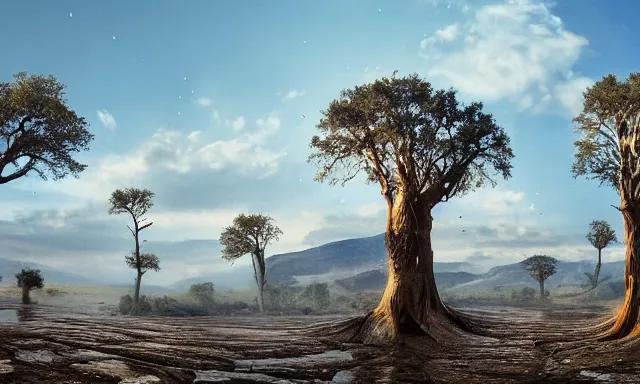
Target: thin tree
39,133
422,147
540,267
29,279
600,236
136,203
250,234
607,151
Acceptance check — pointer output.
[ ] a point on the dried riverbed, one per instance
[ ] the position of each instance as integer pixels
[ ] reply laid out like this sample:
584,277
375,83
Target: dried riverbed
47,345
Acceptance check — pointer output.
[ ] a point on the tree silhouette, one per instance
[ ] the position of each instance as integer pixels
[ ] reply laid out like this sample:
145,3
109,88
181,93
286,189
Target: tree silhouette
600,236
29,279
540,267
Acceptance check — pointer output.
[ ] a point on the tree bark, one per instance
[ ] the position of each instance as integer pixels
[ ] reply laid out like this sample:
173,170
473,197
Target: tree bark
410,299
26,298
542,288
626,321
259,273
136,294
596,273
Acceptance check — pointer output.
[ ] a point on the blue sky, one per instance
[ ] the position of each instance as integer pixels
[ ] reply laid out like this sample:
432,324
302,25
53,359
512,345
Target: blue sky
204,103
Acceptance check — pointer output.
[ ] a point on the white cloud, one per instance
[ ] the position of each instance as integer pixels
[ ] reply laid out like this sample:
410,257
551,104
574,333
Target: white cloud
204,101
107,119
517,50
181,153
493,201
238,124
293,94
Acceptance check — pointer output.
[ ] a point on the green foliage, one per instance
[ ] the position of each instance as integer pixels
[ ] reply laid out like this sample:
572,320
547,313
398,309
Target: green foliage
607,127
203,293
146,262
248,234
30,279
136,202
404,134
540,267
601,234
278,297
316,295
39,130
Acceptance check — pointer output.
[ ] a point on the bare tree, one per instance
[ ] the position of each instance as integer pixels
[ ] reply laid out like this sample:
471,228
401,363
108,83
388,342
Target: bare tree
607,151
250,234
422,147
29,279
39,133
136,203
600,236
540,267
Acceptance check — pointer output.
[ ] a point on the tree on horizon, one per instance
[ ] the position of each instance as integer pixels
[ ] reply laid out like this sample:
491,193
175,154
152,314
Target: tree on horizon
600,236
540,267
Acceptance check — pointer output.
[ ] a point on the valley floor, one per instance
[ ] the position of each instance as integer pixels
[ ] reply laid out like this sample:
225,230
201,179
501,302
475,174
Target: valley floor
44,345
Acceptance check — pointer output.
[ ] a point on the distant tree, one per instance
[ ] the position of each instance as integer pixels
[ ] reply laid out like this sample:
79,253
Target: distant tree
136,203
540,267
39,133
422,147
607,151
203,293
316,295
250,234
29,279
600,236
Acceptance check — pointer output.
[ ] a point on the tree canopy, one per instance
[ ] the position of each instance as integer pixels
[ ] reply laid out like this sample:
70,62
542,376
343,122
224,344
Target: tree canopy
404,134
601,234
136,202
38,131
146,262
30,279
540,267
248,234
610,116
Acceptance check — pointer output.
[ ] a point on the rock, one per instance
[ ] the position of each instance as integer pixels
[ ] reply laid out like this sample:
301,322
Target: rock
595,375
5,366
43,356
109,368
149,379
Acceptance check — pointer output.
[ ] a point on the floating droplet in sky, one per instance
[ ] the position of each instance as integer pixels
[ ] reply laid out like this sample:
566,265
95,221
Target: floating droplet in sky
341,201
113,37
70,14
192,92
302,116
178,113
185,79
301,180
304,42
179,97
379,10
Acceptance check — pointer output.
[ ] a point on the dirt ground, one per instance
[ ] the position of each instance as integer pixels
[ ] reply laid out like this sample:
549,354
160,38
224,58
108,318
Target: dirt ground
41,344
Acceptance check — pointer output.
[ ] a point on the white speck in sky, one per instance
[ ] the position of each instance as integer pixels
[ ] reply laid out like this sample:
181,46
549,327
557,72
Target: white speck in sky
302,116
304,42
113,37
179,97
178,113
70,14
379,10
301,180
185,79
192,92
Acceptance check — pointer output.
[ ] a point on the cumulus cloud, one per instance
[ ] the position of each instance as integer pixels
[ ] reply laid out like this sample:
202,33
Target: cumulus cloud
238,124
517,50
107,119
293,94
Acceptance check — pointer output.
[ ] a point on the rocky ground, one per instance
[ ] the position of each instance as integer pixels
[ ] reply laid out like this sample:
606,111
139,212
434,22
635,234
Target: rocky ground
49,345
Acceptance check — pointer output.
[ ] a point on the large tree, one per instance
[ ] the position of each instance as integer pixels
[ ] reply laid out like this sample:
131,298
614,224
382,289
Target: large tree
250,234
540,267
422,147
39,133
135,203
608,151
600,236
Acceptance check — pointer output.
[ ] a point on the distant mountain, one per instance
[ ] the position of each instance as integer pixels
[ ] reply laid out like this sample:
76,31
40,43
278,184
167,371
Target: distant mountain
346,257
377,279
8,269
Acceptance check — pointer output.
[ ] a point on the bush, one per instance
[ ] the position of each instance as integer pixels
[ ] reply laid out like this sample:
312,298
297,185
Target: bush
528,293
203,294
55,292
316,295
279,297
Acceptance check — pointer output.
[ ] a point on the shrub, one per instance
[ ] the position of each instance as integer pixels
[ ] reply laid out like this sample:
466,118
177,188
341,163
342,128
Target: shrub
203,294
316,295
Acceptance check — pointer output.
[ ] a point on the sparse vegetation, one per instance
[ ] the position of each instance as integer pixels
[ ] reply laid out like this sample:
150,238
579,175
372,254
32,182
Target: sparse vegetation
29,279
600,236
203,293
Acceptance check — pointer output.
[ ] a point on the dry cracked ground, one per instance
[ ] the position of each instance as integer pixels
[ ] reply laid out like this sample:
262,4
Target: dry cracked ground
50,345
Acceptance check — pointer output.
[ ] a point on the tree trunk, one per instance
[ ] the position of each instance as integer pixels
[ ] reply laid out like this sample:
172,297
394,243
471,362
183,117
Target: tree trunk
410,298
136,294
597,271
542,288
26,298
258,270
626,322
